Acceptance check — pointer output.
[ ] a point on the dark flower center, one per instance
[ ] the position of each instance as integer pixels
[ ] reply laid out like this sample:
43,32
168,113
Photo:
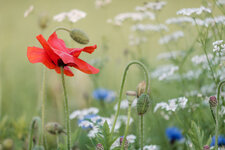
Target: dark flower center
61,63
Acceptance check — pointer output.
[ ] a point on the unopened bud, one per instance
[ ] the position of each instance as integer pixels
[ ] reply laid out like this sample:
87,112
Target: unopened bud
131,95
99,146
7,144
43,20
126,144
206,147
54,128
143,103
213,102
141,88
37,147
79,36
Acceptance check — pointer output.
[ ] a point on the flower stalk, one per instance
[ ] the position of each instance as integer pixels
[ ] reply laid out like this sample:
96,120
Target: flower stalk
122,86
217,114
66,110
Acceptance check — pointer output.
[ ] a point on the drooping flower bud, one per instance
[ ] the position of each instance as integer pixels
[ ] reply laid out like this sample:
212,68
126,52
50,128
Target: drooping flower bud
131,95
79,36
43,20
143,103
206,147
54,128
141,88
213,102
126,144
7,144
37,147
99,146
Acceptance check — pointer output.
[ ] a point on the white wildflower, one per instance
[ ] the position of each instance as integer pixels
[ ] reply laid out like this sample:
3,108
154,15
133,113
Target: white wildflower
151,147
28,11
219,47
164,72
149,27
101,3
131,138
201,59
124,104
220,2
179,20
73,16
81,113
171,37
196,11
136,40
171,55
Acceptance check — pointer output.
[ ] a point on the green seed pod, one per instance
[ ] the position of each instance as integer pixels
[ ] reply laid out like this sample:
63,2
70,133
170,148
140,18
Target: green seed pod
37,147
79,36
213,102
7,144
141,88
54,128
143,104
99,146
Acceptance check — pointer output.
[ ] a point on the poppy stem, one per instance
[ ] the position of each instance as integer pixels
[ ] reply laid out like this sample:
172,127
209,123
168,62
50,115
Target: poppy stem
217,113
35,121
127,126
66,110
122,86
62,28
142,131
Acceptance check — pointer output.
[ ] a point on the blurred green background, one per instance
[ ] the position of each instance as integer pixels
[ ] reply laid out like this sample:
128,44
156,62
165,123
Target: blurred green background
20,80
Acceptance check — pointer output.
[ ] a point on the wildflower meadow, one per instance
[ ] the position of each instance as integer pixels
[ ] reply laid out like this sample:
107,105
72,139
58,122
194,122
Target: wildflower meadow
112,75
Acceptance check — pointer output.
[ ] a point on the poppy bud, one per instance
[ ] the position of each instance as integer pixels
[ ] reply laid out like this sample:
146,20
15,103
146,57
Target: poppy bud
99,146
54,128
206,147
213,102
79,36
126,144
36,147
141,88
131,95
143,103
43,20
7,144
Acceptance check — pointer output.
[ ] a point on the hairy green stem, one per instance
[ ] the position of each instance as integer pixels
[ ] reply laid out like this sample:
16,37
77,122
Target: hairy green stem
127,126
217,113
62,28
122,87
66,110
142,131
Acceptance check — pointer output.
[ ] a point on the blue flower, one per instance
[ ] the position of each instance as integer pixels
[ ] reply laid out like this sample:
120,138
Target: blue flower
88,121
174,134
221,141
104,95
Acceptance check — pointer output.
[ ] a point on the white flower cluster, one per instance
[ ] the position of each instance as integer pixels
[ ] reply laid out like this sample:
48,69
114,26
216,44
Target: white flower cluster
179,20
171,55
210,21
172,104
192,74
151,5
164,72
130,138
134,16
151,147
124,104
201,60
149,27
171,37
196,11
102,3
220,2
28,11
133,40
73,16
219,47
79,114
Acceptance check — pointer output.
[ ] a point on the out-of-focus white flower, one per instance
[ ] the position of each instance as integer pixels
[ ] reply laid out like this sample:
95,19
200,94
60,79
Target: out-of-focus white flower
220,2
179,20
124,104
171,37
28,11
201,60
151,147
151,5
133,40
171,55
79,114
149,27
101,3
219,47
196,11
130,138
73,16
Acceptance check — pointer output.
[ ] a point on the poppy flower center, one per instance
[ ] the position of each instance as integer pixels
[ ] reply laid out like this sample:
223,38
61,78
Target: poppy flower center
61,63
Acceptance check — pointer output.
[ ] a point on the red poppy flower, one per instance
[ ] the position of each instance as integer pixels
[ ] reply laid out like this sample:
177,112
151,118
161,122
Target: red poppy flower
55,54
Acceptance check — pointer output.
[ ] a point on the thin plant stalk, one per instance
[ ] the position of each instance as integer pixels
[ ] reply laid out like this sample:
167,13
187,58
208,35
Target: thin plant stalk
122,87
127,126
35,123
66,110
57,140
217,114
142,131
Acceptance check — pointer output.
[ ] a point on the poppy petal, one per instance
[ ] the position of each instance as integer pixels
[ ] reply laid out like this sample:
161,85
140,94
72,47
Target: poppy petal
84,66
76,51
38,55
56,43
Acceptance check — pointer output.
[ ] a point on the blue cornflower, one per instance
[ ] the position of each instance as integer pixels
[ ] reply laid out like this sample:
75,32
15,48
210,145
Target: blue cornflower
104,95
88,121
174,134
221,141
